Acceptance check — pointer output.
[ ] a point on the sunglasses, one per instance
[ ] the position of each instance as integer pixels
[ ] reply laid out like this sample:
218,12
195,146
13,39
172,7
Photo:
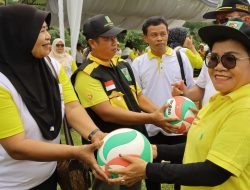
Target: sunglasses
223,20
228,60
59,45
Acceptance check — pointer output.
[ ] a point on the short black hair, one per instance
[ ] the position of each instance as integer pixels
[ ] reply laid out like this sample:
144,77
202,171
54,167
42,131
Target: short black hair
129,44
155,21
79,45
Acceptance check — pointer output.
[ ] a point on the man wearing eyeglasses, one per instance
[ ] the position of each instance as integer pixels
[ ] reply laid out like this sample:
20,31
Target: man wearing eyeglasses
204,89
228,9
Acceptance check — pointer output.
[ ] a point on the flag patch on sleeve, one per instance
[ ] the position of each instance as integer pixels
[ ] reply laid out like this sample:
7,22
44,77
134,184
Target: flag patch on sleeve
109,85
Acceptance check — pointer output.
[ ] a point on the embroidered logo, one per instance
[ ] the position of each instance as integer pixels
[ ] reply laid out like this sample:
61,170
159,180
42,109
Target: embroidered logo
109,85
126,74
235,24
109,22
90,96
241,7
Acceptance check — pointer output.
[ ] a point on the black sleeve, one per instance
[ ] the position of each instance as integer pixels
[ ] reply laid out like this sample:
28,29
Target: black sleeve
172,153
195,174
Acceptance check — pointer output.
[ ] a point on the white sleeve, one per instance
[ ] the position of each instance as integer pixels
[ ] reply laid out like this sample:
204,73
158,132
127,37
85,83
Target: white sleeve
187,69
135,67
202,78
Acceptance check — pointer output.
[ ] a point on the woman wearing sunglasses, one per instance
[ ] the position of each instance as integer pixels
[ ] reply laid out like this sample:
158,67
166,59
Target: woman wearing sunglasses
59,53
216,155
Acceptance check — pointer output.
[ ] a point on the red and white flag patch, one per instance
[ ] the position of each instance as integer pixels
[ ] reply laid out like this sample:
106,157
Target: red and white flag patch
109,85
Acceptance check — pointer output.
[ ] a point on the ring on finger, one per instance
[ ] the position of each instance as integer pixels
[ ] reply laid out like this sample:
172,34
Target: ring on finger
123,181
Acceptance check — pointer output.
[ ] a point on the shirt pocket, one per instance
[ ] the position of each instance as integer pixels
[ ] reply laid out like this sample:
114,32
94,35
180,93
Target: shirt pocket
116,99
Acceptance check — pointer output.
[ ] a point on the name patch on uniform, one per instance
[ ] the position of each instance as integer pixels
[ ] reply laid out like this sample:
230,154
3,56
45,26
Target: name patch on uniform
109,85
126,74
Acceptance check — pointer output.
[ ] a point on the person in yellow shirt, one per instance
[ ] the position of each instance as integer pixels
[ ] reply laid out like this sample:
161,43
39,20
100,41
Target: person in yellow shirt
129,53
179,40
33,102
202,50
107,88
216,155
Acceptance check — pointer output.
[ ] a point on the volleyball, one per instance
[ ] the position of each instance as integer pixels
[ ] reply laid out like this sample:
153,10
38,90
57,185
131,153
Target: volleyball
179,108
123,141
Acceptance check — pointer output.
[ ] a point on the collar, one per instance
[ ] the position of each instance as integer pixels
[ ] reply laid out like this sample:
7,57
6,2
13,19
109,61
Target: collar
240,92
169,51
104,63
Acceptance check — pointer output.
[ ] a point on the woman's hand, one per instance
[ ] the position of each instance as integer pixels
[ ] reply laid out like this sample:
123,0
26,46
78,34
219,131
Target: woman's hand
133,173
178,88
98,136
161,121
195,111
154,151
86,154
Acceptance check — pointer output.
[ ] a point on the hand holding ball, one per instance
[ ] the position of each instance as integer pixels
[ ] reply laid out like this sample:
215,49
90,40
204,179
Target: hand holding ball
126,142
179,108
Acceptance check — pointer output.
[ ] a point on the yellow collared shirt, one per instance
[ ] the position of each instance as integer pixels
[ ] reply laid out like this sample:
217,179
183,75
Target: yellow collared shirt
221,134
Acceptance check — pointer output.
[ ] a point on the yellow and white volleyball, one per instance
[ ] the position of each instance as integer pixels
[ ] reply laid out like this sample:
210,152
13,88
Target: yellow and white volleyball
179,108
123,141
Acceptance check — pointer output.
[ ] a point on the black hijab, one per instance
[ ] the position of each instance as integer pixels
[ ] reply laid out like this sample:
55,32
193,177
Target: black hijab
20,26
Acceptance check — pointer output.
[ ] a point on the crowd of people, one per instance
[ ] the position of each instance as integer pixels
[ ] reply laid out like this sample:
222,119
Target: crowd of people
107,89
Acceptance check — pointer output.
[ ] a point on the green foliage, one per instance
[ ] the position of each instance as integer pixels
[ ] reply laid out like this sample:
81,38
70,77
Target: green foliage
67,37
54,32
82,39
2,2
194,28
38,3
136,36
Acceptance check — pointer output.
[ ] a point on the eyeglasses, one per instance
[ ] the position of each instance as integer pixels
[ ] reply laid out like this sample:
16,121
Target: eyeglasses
228,60
59,45
222,20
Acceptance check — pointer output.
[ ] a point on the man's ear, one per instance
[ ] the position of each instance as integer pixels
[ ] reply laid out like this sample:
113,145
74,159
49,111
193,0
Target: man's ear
246,19
92,43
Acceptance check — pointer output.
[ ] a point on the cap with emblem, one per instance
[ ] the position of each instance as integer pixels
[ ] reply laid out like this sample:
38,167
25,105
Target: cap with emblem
233,29
229,6
100,25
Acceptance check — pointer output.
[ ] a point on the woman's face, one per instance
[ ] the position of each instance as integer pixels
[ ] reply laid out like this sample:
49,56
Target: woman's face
42,46
60,47
227,80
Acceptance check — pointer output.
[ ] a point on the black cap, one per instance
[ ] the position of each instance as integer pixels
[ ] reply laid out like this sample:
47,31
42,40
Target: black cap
233,29
229,6
100,25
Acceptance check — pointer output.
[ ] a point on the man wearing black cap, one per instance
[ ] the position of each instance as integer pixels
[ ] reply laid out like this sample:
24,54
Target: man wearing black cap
226,9
107,89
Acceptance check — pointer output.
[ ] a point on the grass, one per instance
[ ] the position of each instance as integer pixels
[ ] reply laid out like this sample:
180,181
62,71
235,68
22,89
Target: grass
77,141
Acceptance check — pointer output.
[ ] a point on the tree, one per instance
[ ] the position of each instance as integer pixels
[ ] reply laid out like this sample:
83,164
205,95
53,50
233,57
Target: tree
194,28
136,37
2,2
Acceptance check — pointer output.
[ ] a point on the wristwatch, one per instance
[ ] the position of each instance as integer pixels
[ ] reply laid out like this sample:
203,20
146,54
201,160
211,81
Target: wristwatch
91,134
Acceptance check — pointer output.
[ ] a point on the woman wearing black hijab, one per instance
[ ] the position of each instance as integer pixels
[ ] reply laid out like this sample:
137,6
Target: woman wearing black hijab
32,104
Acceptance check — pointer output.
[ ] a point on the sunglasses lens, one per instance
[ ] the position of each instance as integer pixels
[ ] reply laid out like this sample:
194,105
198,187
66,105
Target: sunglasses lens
212,60
228,61
59,45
